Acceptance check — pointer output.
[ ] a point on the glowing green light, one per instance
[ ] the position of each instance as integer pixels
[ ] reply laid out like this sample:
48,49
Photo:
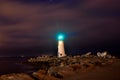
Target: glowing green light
60,37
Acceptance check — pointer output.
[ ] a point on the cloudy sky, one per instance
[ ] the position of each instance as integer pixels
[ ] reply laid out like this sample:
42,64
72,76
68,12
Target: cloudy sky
32,25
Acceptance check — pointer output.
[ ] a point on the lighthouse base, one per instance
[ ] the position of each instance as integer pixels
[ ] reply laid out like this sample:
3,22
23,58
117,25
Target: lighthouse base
61,51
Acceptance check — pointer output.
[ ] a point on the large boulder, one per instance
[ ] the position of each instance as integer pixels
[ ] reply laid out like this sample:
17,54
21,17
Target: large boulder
102,55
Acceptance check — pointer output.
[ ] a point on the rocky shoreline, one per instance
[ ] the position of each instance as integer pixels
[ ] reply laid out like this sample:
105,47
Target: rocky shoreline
53,68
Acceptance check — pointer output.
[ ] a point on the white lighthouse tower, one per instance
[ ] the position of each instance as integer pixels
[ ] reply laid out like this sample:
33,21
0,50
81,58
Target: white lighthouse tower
61,50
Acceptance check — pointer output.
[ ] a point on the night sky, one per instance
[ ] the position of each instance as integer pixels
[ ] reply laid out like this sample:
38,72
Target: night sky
29,27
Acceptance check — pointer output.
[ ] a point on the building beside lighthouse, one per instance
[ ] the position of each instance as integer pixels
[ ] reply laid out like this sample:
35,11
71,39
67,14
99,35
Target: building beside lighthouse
61,50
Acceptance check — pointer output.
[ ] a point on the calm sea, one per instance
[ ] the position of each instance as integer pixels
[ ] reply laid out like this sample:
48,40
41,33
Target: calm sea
14,65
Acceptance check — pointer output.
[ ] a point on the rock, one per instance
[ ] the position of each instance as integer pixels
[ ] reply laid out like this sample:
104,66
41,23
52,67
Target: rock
109,56
20,76
62,64
102,55
98,54
52,70
76,67
57,75
86,55
113,57
50,75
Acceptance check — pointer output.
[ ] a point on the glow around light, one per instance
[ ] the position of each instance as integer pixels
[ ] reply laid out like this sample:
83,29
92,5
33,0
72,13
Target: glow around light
60,37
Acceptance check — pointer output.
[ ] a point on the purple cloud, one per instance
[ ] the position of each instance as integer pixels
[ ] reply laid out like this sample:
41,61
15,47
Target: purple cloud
33,23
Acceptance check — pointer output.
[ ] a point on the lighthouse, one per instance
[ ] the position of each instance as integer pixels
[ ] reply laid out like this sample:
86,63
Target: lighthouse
61,50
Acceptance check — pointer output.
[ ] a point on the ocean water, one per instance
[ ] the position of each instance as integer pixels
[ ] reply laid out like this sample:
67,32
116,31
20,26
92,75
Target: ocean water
14,65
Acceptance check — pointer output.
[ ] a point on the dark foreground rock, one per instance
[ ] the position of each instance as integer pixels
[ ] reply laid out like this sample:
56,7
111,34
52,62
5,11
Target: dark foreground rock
20,76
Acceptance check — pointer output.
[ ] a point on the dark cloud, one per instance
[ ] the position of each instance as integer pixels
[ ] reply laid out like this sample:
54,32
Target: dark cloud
8,21
38,1
35,23
48,2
